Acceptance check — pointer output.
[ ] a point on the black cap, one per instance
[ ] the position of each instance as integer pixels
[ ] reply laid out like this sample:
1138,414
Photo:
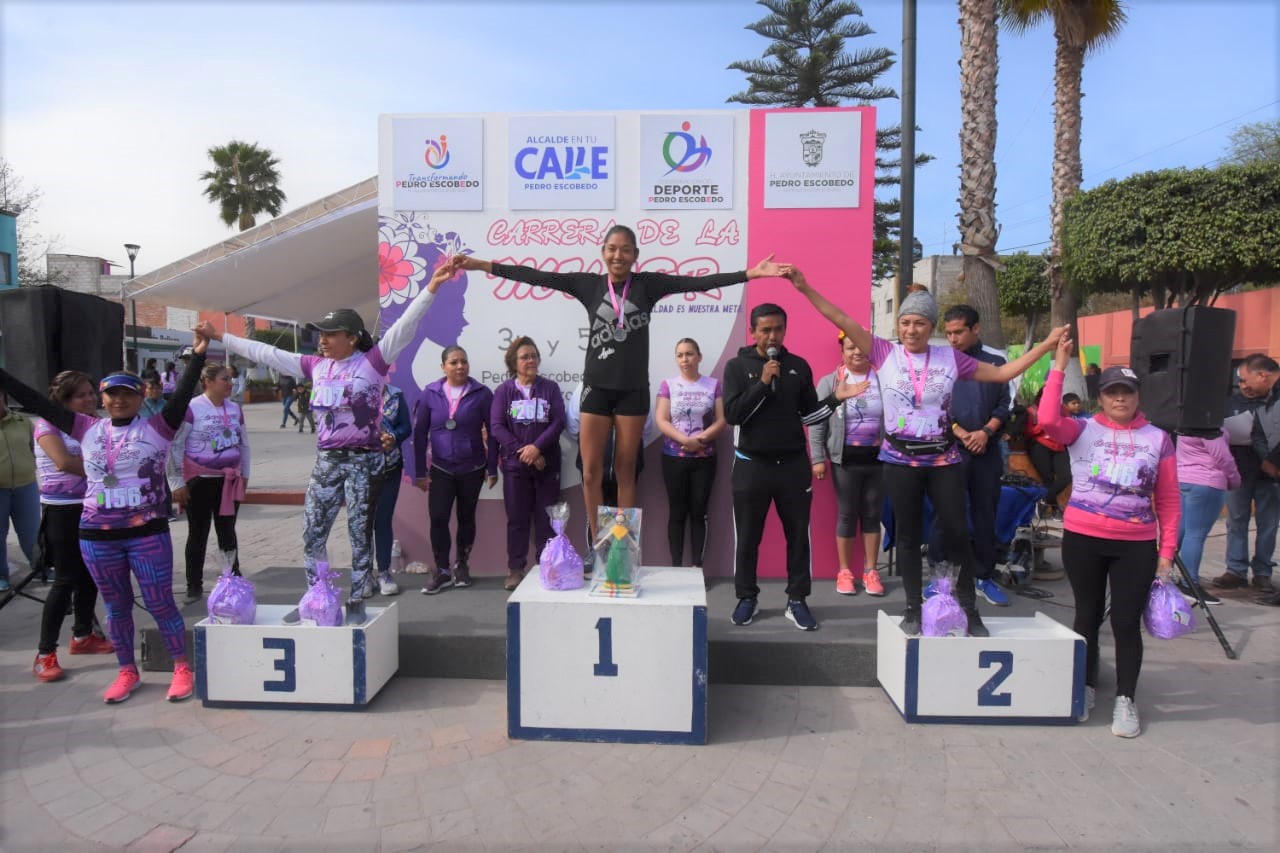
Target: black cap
187,352
1118,376
342,320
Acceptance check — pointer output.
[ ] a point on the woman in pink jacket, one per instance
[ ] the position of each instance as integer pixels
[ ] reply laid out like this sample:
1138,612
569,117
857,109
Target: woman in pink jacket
1120,527
1206,471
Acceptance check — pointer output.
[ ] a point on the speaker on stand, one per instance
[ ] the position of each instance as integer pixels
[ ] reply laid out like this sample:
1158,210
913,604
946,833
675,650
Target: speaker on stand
1183,360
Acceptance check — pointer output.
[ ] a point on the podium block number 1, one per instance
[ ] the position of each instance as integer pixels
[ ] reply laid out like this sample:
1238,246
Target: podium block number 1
987,695
286,664
604,631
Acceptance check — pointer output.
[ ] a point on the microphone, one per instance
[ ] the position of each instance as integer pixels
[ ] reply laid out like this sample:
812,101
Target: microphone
772,352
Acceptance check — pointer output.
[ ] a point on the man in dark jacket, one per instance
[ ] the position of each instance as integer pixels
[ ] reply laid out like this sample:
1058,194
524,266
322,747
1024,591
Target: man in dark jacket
979,410
769,397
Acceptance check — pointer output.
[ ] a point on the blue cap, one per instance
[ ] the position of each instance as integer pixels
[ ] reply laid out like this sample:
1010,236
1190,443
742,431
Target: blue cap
121,380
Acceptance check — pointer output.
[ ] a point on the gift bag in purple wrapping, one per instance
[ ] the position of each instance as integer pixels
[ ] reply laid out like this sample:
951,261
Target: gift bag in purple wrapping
1168,615
560,566
232,601
942,615
321,603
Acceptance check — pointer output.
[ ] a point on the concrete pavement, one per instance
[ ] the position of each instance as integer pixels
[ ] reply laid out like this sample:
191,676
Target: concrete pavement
788,768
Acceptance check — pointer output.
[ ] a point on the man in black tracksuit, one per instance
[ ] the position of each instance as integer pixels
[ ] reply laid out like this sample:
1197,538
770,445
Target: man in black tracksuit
768,397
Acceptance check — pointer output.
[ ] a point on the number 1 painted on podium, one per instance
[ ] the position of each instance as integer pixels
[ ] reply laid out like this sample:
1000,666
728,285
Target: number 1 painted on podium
606,666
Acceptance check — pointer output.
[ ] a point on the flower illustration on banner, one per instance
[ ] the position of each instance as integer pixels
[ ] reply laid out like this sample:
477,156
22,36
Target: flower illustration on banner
409,250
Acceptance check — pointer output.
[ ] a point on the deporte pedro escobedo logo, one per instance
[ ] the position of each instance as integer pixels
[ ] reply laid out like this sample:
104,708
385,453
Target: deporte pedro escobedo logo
684,154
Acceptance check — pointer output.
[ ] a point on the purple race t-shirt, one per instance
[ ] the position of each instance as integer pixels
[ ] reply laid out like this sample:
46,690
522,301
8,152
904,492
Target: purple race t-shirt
863,413
216,433
346,397
1113,472
124,469
915,390
693,409
57,488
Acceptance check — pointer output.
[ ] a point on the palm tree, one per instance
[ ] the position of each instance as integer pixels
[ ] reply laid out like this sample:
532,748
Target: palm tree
978,230
1079,28
244,182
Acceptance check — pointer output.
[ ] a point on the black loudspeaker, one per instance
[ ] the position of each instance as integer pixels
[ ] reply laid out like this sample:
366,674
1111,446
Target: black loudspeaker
1183,359
44,330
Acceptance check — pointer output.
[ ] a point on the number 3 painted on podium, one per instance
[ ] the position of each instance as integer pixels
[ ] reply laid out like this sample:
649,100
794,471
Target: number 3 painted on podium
285,664
987,695
606,666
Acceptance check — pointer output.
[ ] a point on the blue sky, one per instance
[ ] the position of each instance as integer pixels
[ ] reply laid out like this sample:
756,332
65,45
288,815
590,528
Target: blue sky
109,107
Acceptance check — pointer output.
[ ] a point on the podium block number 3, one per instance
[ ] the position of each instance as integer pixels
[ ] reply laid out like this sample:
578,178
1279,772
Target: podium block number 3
987,695
285,664
604,632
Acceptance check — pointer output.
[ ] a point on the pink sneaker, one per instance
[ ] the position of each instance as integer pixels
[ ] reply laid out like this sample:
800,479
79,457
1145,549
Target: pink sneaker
844,583
183,684
871,582
126,682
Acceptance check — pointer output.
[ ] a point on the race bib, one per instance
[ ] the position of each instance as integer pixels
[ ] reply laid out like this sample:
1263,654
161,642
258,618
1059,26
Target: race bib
330,394
225,440
120,497
924,422
1121,474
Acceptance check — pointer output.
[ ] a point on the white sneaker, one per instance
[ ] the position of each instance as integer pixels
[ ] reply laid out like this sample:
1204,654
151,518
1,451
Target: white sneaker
1090,699
386,586
1124,719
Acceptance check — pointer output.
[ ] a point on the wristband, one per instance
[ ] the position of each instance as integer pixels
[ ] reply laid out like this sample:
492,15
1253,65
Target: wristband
989,431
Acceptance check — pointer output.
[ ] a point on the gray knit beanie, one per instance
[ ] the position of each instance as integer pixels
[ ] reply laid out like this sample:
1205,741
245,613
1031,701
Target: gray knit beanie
921,304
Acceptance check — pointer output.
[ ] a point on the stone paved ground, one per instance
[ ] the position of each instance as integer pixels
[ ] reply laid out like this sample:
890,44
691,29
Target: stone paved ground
788,768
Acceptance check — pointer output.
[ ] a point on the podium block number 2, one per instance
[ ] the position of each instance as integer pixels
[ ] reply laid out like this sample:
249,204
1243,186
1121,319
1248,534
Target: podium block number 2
285,664
987,695
604,631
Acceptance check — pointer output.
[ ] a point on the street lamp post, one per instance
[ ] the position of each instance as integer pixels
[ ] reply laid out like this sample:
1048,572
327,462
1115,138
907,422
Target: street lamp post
132,249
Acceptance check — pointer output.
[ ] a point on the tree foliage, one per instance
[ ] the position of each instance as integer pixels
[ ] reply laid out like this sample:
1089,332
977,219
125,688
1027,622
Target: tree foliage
1258,142
17,197
243,183
1184,235
807,64
1024,289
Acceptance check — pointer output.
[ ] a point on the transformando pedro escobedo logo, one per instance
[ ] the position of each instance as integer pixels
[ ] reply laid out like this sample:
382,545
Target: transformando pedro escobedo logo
436,155
562,162
811,151
684,154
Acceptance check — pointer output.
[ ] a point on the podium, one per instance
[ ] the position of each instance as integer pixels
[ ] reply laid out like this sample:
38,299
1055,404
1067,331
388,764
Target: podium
613,670
1029,671
272,665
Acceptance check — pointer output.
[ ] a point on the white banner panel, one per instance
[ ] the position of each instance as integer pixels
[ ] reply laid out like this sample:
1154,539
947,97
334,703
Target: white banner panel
561,162
686,161
437,163
811,159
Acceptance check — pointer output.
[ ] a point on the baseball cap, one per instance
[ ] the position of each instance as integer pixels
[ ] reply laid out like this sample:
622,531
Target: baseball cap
1118,376
341,320
121,380
187,352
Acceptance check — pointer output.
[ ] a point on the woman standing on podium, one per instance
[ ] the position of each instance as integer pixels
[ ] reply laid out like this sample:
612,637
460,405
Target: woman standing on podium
527,418
348,376
920,456
1120,528
615,392
124,524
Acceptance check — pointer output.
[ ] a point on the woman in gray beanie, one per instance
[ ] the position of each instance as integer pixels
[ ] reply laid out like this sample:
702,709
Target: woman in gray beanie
920,456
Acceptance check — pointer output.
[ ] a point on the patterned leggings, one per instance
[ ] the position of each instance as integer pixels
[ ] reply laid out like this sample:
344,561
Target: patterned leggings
335,479
151,560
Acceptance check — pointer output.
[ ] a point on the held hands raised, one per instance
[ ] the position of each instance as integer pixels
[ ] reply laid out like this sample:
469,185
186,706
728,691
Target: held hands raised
1062,355
206,330
201,345
768,268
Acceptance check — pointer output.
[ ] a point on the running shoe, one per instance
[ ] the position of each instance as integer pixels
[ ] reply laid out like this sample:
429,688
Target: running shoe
126,682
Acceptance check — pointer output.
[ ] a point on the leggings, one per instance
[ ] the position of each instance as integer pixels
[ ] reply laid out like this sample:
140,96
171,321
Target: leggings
858,496
445,489
388,494
526,495
336,478
71,580
202,509
689,481
1054,468
1129,567
906,487
150,558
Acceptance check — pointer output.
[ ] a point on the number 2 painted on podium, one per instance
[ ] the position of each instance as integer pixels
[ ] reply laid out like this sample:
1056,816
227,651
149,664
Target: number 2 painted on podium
987,695
606,666
286,665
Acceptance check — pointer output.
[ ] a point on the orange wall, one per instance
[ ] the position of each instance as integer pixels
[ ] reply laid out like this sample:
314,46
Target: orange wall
1257,327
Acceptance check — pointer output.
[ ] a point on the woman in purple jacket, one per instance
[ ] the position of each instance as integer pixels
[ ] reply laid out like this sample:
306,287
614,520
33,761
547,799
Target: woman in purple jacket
1206,470
527,419
452,422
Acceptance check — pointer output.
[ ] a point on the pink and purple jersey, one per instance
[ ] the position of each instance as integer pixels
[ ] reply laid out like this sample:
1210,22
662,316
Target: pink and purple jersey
693,409
125,471
915,391
58,488
863,413
1113,472
346,397
217,434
